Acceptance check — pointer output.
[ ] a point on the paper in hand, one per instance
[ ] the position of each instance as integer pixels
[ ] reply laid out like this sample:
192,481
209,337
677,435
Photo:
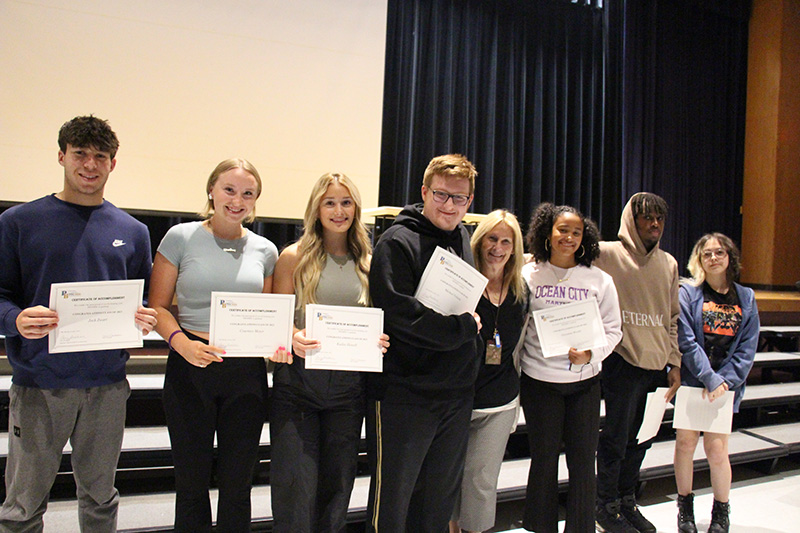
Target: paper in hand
653,414
694,412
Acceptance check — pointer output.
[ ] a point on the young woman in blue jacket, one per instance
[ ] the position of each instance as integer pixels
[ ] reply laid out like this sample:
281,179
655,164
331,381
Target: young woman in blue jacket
718,335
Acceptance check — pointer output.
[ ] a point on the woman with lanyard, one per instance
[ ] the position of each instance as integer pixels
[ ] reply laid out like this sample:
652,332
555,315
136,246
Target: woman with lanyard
497,249
316,415
718,336
206,393
560,395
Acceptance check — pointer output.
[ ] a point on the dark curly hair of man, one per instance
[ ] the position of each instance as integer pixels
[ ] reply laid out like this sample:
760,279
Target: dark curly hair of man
541,227
88,132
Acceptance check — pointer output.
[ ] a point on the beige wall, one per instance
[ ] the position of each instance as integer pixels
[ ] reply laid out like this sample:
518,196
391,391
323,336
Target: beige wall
296,87
770,241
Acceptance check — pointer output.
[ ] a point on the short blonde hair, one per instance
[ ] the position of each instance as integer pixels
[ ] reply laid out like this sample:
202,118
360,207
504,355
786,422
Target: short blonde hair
450,165
695,265
223,167
512,272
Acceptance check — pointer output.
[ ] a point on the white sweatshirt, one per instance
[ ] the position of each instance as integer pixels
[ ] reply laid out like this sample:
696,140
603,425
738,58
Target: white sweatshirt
550,286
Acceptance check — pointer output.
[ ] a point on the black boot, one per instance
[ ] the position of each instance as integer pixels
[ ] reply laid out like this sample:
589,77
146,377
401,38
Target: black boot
686,514
719,517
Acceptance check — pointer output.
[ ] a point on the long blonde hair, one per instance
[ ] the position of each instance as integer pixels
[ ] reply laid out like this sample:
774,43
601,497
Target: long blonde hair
512,272
311,248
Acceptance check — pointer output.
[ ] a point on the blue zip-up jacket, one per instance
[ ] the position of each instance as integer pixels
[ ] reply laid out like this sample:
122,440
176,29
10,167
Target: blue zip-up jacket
695,366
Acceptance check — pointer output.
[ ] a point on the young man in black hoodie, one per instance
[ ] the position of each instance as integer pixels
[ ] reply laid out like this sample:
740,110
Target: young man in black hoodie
420,406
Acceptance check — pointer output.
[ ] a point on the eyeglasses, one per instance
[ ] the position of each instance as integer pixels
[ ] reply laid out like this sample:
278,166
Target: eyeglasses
720,253
441,197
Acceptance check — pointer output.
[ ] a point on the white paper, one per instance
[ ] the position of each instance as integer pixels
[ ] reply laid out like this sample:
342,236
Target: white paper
349,336
653,414
251,324
449,285
576,325
694,412
95,315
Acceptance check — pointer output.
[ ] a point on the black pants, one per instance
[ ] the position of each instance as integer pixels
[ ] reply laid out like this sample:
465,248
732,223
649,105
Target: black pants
228,399
557,413
314,457
416,454
619,456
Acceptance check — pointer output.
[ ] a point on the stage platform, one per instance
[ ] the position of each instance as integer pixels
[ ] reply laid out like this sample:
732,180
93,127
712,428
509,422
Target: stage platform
778,308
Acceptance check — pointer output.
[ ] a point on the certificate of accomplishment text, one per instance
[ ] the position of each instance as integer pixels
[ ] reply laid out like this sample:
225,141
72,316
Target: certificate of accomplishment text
349,336
577,325
449,285
251,324
95,315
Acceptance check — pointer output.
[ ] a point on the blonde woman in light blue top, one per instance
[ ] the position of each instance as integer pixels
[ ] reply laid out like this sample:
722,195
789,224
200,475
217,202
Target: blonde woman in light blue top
206,394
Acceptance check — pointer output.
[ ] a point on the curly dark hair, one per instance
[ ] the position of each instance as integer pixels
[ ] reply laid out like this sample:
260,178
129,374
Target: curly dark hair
541,226
88,132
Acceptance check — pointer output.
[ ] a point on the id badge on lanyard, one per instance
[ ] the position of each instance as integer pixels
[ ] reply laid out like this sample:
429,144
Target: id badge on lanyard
494,350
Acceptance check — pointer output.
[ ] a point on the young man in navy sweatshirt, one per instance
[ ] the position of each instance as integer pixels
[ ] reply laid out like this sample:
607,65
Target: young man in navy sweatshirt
80,397
419,408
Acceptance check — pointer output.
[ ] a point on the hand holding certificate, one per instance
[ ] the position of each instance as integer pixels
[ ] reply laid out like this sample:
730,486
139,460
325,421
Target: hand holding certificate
251,324
349,337
95,315
577,325
449,285
693,411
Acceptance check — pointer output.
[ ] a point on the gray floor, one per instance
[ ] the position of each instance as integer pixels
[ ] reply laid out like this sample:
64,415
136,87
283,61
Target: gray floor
759,503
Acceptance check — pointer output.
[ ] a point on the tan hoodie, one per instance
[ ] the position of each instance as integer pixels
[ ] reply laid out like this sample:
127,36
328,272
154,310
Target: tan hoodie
647,285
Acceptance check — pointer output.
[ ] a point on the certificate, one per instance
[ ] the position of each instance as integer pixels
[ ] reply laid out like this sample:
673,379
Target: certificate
95,315
251,324
449,285
349,336
653,414
577,325
694,412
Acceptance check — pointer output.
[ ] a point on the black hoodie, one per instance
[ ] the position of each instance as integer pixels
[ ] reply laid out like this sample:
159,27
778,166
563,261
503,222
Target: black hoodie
432,356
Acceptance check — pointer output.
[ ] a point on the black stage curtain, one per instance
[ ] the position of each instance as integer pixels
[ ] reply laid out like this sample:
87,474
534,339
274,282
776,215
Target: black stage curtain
581,103
676,111
517,87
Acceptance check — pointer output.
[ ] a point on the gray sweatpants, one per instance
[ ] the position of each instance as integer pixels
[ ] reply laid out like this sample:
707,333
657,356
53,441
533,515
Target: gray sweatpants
40,423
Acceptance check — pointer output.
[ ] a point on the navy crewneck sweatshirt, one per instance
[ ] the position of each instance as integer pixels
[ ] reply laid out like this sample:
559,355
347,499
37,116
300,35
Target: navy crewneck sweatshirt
51,241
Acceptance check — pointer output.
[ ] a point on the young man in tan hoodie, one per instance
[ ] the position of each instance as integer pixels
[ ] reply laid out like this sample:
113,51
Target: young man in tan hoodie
646,278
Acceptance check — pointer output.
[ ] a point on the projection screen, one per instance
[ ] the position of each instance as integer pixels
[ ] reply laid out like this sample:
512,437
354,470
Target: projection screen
295,87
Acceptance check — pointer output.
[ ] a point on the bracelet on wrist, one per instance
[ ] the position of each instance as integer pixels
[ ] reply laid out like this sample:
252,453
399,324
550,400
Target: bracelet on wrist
169,341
